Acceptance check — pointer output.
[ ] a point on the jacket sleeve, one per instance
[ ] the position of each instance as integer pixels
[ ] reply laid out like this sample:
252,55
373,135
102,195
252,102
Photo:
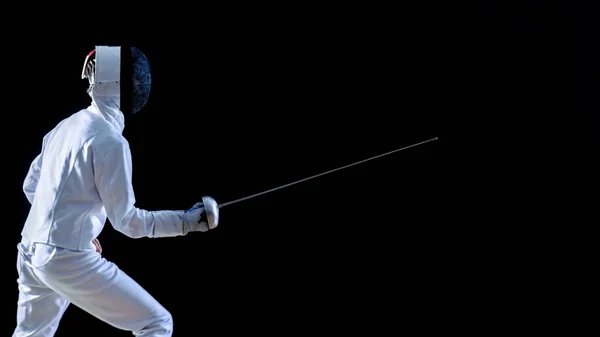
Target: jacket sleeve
32,178
33,174
113,178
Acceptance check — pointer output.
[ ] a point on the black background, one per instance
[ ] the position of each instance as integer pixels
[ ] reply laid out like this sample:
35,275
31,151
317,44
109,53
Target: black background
244,101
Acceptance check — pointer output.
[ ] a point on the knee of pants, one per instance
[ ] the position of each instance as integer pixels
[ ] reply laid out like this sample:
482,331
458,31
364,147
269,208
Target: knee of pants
162,325
167,322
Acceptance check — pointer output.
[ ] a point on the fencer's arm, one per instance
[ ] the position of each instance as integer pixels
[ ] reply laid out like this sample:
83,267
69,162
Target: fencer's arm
33,174
31,180
113,176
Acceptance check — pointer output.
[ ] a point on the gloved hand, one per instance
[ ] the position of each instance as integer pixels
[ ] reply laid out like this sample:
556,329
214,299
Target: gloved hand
202,216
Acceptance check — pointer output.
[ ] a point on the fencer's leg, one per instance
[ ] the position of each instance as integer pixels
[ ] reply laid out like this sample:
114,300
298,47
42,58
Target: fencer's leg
100,288
39,308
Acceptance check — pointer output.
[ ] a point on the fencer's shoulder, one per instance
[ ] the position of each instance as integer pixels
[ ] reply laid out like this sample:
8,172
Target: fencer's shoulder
109,141
86,122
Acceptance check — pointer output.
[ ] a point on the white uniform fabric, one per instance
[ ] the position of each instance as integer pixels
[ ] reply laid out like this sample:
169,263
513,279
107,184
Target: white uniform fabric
82,176
50,278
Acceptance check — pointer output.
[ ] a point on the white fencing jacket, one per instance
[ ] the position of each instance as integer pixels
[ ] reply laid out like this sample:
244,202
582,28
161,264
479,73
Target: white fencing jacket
82,175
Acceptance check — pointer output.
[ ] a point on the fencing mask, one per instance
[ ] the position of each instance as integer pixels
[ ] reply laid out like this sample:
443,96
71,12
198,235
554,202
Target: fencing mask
118,75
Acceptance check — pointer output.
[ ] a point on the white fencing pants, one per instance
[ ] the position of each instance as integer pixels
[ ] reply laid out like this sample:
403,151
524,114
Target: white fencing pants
51,278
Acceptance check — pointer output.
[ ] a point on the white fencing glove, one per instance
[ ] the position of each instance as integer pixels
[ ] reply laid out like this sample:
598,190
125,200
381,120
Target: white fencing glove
202,216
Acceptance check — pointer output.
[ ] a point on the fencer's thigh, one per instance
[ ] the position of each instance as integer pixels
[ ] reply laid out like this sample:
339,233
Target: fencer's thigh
39,309
100,288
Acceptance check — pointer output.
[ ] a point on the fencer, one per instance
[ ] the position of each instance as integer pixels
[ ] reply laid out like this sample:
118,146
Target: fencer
81,177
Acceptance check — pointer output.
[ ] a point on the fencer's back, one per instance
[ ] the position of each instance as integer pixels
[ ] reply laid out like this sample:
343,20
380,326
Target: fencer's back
67,210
